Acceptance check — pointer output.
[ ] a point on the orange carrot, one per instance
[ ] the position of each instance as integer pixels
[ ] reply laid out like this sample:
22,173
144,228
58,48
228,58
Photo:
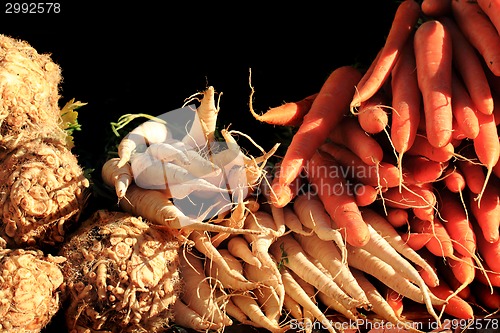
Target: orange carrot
473,173
372,115
397,217
433,57
416,240
406,101
487,147
405,18
436,8
287,114
454,180
364,194
464,271
451,280
486,297
469,67
456,306
395,301
420,200
422,147
464,109
492,9
420,170
350,134
457,223
487,214
326,112
479,30
440,243
326,180
487,277
382,175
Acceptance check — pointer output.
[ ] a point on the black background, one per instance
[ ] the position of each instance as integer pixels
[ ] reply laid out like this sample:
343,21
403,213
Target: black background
148,57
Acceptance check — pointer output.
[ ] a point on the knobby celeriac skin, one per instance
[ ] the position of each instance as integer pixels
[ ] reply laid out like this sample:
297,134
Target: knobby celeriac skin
30,289
121,275
29,94
43,193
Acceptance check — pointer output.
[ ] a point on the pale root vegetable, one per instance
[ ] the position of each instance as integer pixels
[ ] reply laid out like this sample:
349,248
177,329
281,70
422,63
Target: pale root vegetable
329,255
379,305
44,193
226,281
32,289
149,132
290,253
116,177
240,248
197,293
188,318
29,95
203,128
121,272
297,293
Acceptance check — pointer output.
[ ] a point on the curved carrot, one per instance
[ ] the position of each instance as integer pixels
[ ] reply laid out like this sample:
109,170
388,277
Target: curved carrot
454,180
456,306
406,101
422,147
436,8
492,9
479,30
326,112
403,24
287,114
440,243
433,56
468,64
457,223
372,115
487,147
327,181
350,134
464,109
488,213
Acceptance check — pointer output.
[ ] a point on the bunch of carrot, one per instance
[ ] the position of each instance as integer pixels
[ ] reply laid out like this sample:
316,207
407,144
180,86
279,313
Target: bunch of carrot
388,194
414,138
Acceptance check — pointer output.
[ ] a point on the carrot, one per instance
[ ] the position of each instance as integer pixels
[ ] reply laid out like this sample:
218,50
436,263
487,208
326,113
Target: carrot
403,23
479,30
239,248
457,223
491,9
197,293
421,170
440,243
487,276
395,301
463,270
456,306
422,147
433,58
469,67
397,217
327,254
350,134
473,173
311,212
288,251
325,114
381,175
406,102
287,114
372,115
464,110
420,200
416,240
486,297
487,147
365,195
323,174
451,280
389,234
454,180
436,8
487,214
296,292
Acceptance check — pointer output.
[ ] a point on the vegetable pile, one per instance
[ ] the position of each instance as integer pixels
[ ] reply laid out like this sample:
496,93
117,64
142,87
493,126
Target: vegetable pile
385,206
